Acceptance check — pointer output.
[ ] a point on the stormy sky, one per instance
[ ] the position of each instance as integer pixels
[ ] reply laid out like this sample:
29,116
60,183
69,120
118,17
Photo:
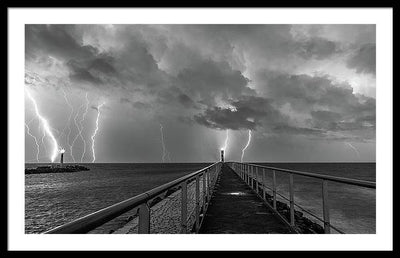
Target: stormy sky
173,93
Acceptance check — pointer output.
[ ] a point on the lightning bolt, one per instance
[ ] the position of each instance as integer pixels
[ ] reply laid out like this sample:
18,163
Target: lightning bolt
226,141
68,124
165,152
36,142
245,147
80,122
46,127
44,145
354,148
95,131
78,134
168,156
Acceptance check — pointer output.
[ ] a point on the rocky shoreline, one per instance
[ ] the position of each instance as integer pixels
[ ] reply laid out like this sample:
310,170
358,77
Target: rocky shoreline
55,169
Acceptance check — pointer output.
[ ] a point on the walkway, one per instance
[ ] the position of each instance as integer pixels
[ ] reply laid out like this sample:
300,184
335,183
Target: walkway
235,209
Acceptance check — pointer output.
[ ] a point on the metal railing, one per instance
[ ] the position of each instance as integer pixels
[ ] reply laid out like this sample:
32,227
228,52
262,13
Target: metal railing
208,176
250,174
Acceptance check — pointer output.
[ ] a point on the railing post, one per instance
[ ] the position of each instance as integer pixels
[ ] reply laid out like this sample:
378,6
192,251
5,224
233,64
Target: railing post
248,175
184,208
144,219
209,184
252,177
245,173
204,190
197,203
256,177
291,193
263,184
325,204
274,188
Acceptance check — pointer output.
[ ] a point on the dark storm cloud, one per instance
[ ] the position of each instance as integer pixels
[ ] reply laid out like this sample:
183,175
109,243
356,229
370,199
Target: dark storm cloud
303,91
126,67
246,113
58,41
332,106
209,79
79,73
287,129
317,48
201,77
103,64
364,59
136,104
186,101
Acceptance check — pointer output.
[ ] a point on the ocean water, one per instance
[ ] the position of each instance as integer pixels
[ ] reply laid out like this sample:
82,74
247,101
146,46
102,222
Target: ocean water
54,199
352,208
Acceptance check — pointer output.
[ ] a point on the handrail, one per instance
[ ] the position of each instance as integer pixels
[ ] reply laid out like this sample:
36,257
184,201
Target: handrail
345,180
95,219
250,174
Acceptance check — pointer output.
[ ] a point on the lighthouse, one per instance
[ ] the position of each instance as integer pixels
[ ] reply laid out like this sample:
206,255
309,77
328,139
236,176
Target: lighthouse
222,155
62,157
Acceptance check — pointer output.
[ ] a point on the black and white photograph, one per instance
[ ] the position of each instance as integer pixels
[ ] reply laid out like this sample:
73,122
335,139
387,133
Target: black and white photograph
217,128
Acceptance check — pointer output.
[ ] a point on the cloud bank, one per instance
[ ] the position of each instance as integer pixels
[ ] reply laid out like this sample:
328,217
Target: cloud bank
277,80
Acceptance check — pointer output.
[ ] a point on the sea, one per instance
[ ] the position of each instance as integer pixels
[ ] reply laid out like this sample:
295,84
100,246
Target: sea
54,199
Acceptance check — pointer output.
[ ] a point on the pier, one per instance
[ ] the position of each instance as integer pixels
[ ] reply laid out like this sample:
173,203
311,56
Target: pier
223,198
235,208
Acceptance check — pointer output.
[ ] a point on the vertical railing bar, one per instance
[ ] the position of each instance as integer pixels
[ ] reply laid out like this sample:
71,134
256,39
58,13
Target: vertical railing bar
209,184
325,204
256,177
204,190
274,188
263,184
184,208
291,193
247,175
251,176
144,219
197,202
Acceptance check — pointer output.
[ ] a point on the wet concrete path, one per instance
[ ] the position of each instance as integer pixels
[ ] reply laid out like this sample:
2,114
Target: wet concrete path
236,209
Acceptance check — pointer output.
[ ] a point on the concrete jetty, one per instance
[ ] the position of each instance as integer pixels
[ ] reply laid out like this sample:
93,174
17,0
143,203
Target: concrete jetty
236,209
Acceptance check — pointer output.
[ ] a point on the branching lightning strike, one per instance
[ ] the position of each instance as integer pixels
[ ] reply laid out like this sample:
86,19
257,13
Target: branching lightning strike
165,152
354,148
43,143
226,141
68,124
245,147
80,122
46,127
78,134
95,131
36,142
